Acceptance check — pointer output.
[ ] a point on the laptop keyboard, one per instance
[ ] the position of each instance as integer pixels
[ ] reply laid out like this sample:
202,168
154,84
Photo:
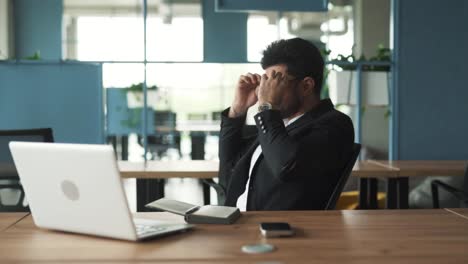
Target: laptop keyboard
148,229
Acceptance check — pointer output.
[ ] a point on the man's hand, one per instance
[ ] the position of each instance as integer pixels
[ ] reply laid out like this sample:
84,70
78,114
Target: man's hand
271,89
245,95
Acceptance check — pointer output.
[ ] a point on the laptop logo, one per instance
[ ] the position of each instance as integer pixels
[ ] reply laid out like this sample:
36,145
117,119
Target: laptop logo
70,190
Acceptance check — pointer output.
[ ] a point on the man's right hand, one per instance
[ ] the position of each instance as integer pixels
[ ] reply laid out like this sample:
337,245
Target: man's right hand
245,95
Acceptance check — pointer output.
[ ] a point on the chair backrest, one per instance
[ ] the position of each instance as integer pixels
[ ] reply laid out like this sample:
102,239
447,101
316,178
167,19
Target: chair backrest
8,174
331,204
165,118
7,168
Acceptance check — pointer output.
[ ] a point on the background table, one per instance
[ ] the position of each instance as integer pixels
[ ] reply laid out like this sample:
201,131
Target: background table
208,170
155,172
395,173
358,236
398,186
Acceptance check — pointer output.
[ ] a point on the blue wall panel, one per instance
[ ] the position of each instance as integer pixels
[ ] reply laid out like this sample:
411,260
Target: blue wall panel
38,26
272,5
66,97
224,35
432,69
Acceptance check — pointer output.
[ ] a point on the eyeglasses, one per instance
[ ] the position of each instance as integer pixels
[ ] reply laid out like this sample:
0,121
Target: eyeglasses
294,79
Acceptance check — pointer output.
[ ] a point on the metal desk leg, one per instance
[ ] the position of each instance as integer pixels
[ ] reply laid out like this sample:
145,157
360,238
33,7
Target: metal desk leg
124,142
403,193
392,193
206,193
113,141
372,199
198,139
148,190
363,194
368,193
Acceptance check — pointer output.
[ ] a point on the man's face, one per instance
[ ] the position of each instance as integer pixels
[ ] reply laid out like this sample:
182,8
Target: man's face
292,99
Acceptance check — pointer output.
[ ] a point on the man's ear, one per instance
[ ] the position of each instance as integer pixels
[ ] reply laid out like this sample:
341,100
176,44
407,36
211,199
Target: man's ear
308,85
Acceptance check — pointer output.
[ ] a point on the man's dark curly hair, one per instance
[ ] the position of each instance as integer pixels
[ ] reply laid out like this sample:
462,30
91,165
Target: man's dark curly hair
300,56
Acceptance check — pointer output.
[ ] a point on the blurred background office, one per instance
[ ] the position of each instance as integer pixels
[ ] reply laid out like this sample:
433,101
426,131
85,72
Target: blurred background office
151,77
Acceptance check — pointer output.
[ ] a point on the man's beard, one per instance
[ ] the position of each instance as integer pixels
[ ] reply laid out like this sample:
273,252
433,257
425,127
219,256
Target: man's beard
293,107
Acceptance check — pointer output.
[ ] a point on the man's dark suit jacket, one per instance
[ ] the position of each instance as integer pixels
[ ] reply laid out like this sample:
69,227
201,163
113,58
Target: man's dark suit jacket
299,166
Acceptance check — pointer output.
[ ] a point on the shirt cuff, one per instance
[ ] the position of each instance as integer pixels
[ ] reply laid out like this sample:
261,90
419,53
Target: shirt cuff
268,120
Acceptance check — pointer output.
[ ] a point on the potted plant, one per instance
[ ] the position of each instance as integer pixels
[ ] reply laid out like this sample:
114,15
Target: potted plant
135,95
374,79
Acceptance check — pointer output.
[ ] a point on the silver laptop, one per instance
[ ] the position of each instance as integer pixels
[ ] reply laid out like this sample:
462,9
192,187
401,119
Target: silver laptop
77,188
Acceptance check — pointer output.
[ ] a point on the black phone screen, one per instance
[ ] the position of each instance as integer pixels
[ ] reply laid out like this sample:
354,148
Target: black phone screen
275,226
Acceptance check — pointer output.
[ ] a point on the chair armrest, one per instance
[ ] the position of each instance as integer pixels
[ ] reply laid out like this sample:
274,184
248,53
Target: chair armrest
219,190
435,184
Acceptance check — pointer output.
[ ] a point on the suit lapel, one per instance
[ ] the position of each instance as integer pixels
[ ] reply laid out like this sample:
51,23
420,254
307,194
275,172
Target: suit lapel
240,175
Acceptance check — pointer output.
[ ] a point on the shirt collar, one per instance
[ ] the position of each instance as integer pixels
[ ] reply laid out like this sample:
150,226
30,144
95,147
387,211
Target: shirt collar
287,123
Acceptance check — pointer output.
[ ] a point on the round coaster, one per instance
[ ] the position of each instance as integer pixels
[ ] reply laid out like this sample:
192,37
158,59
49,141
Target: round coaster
257,248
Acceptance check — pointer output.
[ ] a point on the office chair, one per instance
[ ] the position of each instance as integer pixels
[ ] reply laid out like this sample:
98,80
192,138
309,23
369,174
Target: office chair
331,204
8,175
460,195
165,135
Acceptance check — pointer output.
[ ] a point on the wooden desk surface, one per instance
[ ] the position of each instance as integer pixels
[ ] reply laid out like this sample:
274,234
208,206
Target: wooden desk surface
8,219
373,236
414,168
204,169
367,168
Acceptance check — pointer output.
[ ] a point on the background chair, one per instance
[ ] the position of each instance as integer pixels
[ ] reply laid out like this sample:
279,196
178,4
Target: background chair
460,195
165,136
9,180
331,204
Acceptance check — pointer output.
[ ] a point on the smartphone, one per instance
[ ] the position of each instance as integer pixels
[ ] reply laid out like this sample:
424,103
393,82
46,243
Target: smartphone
276,229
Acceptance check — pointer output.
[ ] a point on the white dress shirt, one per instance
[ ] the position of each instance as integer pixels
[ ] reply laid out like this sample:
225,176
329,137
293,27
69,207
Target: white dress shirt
242,200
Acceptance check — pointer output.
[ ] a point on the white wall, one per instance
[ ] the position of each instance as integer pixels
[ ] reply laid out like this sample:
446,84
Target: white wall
4,29
372,27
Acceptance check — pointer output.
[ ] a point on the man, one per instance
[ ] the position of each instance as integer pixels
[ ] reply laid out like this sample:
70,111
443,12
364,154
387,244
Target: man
302,144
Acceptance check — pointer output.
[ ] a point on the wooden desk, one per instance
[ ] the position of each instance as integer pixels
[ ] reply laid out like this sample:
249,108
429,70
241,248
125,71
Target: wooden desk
155,172
366,169
200,169
383,236
8,219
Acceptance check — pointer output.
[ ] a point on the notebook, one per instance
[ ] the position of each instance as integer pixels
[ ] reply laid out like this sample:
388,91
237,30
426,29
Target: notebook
207,214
